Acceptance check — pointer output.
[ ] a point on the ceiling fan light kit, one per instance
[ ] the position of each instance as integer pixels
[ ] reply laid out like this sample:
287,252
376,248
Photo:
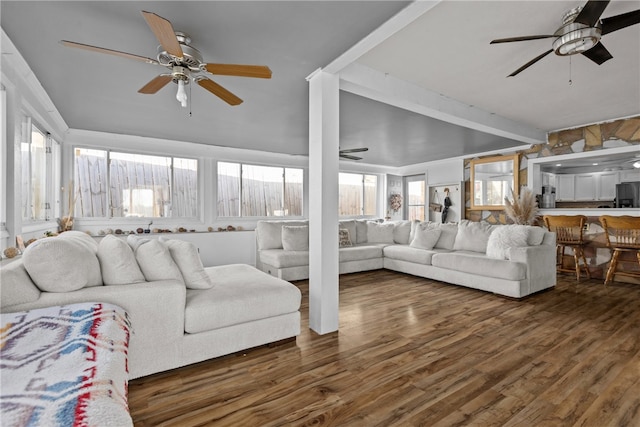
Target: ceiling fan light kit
184,62
580,33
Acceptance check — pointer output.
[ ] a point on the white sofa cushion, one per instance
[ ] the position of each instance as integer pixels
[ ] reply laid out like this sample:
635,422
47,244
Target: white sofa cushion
82,238
186,257
479,264
17,286
279,258
269,233
359,253
241,294
401,232
361,231
295,237
505,237
118,262
409,254
58,264
350,224
473,236
154,259
426,238
536,235
379,232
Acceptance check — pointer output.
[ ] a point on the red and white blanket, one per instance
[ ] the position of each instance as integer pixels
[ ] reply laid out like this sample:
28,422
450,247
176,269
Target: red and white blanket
65,366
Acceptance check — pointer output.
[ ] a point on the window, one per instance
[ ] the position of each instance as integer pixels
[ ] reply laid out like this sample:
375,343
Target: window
416,197
259,191
38,173
358,194
115,184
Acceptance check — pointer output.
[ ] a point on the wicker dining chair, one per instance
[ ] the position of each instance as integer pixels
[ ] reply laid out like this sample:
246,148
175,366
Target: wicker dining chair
623,235
569,233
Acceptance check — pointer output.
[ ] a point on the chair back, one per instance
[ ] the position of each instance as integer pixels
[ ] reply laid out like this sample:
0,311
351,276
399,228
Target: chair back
621,231
568,228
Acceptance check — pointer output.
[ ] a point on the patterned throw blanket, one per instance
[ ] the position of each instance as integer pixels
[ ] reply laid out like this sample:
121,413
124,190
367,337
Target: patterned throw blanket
65,366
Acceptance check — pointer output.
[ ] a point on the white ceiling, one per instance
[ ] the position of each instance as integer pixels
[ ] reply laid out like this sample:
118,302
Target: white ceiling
445,51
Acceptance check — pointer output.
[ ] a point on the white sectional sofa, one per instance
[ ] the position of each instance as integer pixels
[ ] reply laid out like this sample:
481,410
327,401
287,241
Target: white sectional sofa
180,312
510,260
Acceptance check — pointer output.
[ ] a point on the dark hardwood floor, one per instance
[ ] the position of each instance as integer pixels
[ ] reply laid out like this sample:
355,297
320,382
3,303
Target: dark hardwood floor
412,351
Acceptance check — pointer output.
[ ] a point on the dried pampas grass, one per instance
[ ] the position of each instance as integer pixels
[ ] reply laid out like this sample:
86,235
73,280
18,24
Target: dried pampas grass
523,209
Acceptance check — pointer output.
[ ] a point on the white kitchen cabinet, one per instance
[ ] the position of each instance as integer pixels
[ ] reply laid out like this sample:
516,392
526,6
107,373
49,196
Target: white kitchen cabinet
606,188
565,187
585,186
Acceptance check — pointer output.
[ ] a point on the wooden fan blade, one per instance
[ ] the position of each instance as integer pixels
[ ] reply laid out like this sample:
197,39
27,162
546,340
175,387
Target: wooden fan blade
598,54
520,39
219,91
354,150
259,71
530,63
591,11
164,32
107,51
155,84
346,156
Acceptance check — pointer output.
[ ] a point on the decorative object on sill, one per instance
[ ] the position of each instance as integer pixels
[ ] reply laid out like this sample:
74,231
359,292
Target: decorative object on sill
66,222
388,217
28,242
522,209
231,228
395,202
11,252
140,230
209,229
50,234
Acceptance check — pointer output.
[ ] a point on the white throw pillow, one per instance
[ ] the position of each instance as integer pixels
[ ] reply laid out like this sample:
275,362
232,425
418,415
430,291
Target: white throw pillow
135,241
156,262
118,262
362,231
379,232
425,238
344,238
81,237
536,235
295,237
401,232
448,236
505,237
472,236
186,256
349,224
62,264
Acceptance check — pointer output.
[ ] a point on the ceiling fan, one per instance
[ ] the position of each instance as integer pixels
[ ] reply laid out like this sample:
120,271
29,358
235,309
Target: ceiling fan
183,61
345,153
580,32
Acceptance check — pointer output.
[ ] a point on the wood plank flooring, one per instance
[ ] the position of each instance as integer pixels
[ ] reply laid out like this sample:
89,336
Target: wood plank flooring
416,352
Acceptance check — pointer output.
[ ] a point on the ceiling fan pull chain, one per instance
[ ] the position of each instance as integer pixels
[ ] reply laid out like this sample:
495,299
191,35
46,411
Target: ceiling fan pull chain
570,81
190,98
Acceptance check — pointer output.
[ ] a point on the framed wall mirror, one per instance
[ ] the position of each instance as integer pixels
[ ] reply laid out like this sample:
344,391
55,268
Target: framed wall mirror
492,179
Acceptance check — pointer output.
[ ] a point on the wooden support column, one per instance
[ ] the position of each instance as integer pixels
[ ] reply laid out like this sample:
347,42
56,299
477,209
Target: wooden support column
323,201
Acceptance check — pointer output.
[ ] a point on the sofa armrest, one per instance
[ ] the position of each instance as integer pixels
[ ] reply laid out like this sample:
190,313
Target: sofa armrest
156,310
540,262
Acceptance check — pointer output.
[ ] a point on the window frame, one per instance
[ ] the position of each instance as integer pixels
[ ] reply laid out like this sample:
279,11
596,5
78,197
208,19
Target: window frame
51,176
408,205
109,208
364,200
241,216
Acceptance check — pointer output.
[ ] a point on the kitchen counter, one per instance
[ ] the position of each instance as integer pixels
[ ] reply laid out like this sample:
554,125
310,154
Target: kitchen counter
591,211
